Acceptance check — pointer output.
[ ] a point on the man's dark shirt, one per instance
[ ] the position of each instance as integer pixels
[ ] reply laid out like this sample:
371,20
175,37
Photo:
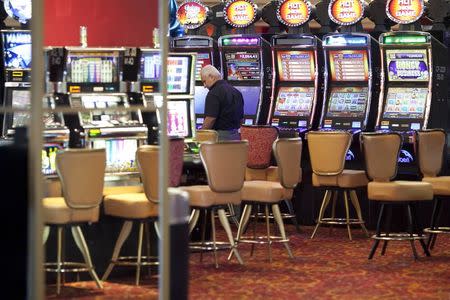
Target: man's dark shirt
225,103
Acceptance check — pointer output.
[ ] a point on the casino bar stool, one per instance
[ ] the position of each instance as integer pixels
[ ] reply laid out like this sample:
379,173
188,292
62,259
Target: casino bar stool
270,194
430,145
142,208
224,163
261,139
327,151
81,172
381,151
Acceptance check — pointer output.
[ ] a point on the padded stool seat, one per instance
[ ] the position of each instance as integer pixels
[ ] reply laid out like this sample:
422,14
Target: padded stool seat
130,206
203,196
263,191
56,211
346,179
114,190
441,185
400,191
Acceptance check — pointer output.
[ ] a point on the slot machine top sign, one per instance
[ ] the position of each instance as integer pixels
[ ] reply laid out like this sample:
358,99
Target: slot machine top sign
404,11
19,10
346,12
192,14
293,13
240,13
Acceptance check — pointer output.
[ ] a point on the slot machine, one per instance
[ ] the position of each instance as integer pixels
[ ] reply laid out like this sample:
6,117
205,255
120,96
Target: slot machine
207,54
17,95
180,88
413,88
351,85
246,64
296,83
94,85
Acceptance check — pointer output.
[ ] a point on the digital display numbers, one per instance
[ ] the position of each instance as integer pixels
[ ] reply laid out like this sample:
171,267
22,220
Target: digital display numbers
243,66
349,65
295,65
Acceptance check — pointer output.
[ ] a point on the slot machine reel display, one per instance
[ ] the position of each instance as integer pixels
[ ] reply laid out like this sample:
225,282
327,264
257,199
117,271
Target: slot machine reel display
246,65
296,83
94,84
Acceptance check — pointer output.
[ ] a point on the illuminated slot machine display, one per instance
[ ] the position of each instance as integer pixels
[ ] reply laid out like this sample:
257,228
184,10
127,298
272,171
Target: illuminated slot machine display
93,80
180,88
246,64
351,85
296,85
17,95
413,87
207,54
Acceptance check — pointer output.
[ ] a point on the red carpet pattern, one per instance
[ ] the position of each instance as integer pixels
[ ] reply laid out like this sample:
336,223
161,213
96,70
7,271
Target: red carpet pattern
328,267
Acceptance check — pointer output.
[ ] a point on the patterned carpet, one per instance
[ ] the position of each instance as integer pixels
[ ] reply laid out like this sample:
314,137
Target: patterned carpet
328,267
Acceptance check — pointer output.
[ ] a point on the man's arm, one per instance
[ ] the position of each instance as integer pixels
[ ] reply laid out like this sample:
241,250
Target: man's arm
208,123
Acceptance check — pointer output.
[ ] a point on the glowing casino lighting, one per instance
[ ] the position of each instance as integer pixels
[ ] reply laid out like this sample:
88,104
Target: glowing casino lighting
411,39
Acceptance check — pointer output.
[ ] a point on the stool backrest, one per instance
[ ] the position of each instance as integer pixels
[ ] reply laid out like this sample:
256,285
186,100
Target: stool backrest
430,147
225,164
82,175
260,140
288,153
206,135
327,151
148,162
381,151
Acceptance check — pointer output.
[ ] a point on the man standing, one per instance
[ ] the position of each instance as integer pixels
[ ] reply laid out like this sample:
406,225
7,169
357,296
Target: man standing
224,105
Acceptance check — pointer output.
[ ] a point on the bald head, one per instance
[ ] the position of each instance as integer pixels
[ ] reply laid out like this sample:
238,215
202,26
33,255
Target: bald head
210,75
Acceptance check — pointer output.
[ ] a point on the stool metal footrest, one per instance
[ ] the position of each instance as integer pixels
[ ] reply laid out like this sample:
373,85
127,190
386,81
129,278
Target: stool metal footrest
209,246
437,230
67,267
132,261
398,237
262,240
340,221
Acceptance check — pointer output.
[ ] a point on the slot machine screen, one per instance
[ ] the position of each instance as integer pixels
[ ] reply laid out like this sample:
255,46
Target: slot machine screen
407,65
150,69
203,59
349,65
405,103
21,99
120,154
178,124
295,65
251,98
101,116
242,66
93,67
347,102
199,99
178,74
294,101
17,50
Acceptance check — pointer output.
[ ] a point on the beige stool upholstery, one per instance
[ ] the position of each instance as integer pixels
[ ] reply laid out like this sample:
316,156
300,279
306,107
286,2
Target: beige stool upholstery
206,135
270,193
327,150
81,173
381,151
224,163
430,146
141,207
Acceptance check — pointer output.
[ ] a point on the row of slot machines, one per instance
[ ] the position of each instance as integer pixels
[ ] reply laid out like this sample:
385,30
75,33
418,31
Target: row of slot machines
343,81
99,84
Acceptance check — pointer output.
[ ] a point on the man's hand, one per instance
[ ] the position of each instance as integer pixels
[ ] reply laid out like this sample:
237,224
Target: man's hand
208,123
